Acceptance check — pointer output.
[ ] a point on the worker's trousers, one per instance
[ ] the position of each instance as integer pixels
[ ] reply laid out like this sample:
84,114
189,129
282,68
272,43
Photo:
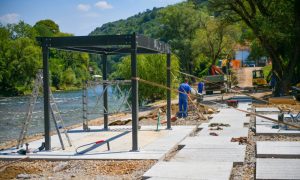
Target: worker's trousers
183,107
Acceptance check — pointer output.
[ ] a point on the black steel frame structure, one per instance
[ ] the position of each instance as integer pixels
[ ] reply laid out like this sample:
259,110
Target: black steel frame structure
106,45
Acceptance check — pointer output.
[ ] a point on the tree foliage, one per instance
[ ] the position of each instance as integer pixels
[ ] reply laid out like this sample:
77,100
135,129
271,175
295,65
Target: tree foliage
143,23
276,24
20,59
152,68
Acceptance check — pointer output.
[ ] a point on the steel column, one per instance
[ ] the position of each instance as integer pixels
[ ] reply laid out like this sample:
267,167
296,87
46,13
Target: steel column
46,97
169,91
134,85
105,95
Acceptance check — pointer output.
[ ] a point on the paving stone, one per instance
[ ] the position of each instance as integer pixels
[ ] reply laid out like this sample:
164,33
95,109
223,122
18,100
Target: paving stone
263,121
207,140
278,149
211,154
192,170
227,131
267,110
277,168
268,130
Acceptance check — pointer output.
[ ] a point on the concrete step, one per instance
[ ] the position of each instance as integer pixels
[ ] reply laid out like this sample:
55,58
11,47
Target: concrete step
192,170
277,168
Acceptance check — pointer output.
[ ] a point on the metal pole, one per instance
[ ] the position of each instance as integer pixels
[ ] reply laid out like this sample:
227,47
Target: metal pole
134,85
169,91
46,97
105,102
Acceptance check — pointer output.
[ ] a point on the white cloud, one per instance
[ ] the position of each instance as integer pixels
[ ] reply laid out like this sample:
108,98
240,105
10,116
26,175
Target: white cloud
103,5
10,18
83,7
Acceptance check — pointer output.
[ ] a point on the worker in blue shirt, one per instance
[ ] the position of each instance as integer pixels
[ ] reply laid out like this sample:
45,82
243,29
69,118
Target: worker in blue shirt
200,87
183,98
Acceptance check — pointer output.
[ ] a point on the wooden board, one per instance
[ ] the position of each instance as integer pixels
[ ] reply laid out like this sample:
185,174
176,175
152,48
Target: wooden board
283,100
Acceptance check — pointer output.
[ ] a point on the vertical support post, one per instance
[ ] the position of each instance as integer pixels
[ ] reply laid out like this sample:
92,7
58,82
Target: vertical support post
134,85
46,92
105,95
169,91
85,106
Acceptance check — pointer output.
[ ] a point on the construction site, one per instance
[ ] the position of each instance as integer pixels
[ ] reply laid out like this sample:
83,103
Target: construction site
231,132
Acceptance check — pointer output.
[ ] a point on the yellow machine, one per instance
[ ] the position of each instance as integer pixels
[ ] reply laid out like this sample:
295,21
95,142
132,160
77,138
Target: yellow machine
258,79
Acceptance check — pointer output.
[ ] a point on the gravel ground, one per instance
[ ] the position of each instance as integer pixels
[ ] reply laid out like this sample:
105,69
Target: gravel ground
77,169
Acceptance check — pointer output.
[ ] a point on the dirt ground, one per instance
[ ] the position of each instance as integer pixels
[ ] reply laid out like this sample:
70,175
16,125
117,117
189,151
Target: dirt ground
244,76
76,169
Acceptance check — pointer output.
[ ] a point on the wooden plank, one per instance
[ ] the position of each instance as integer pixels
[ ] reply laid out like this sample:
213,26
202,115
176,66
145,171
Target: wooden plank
283,100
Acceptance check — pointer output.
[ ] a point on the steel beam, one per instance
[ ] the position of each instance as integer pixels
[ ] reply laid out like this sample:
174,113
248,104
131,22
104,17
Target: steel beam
105,95
105,40
108,51
46,92
169,91
134,85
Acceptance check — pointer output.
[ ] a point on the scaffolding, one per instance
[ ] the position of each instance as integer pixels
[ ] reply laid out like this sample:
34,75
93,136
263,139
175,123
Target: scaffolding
107,45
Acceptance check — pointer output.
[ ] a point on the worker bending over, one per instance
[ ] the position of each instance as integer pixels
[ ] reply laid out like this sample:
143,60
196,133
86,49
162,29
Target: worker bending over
184,90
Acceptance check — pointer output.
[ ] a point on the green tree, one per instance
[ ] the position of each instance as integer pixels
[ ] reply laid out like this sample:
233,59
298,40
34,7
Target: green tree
180,23
276,23
215,38
46,27
151,68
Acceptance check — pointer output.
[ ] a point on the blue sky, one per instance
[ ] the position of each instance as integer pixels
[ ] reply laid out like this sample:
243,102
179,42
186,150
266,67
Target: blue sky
79,17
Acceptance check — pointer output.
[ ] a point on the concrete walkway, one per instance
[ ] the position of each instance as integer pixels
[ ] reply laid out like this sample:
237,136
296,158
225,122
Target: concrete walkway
152,144
205,156
276,159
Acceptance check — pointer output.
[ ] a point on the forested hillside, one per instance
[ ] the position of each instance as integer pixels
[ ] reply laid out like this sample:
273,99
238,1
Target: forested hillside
145,23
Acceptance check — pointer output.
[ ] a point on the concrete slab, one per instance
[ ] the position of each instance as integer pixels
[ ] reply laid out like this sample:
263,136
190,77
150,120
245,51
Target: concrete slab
192,170
268,110
234,123
152,144
277,168
227,131
207,140
267,130
277,149
244,106
211,154
262,121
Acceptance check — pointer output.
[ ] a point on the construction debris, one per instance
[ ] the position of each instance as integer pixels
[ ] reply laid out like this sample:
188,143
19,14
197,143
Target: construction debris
218,124
119,122
217,128
240,140
213,134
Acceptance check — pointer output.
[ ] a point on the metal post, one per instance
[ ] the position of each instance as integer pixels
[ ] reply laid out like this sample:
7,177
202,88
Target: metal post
169,91
46,97
105,102
134,85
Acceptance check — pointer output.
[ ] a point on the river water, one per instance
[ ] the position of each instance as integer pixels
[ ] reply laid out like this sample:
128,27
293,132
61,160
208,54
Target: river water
13,110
